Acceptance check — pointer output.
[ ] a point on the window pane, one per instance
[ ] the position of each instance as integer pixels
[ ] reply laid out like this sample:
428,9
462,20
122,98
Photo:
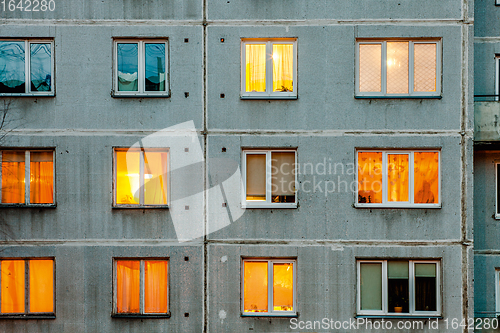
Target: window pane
397,269
369,177
127,67
255,285
256,177
498,188
155,292
371,286
41,67
41,285
397,177
41,177
13,286
424,67
282,67
283,287
13,177
155,67
398,286
155,178
255,55
127,177
283,177
426,177
370,67
12,73
425,287
127,286
397,67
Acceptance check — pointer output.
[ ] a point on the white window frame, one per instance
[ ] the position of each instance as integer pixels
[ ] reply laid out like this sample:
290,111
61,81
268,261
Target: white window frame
411,94
27,175
497,179
411,287
391,204
141,204
270,286
141,68
497,291
27,67
268,203
497,73
268,94
142,287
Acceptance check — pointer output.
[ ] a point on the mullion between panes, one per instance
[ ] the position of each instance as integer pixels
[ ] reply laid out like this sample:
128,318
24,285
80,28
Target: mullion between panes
27,177
385,184
27,85
385,281
140,66
384,69
411,68
269,68
141,178
411,286
268,177
270,287
141,286
27,286
411,178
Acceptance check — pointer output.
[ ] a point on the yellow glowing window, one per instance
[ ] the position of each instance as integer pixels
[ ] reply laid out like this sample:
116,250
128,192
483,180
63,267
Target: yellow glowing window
141,286
398,68
269,68
398,178
141,177
27,286
16,165
268,287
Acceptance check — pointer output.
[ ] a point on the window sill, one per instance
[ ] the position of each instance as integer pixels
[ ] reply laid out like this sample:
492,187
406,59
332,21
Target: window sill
266,97
28,95
28,316
406,316
415,206
141,316
270,315
267,206
399,97
7,205
140,95
140,207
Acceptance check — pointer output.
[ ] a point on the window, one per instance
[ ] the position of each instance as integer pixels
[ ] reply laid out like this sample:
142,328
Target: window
141,177
141,287
398,287
141,67
20,165
398,179
269,68
27,286
268,287
26,67
398,68
269,178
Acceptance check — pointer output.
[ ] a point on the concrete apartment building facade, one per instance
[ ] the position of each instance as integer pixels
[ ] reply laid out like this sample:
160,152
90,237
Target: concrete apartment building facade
211,127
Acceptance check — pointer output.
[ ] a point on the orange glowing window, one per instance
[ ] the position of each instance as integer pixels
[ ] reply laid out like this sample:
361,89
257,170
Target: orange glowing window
269,68
398,179
16,165
15,297
141,286
141,177
268,287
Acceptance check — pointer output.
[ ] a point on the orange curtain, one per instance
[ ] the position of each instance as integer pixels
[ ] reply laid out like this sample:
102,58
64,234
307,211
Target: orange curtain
155,282
369,177
13,177
155,178
283,287
397,177
41,285
127,177
283,67
12,282
41,177
127,286
426,177
255,55
255,285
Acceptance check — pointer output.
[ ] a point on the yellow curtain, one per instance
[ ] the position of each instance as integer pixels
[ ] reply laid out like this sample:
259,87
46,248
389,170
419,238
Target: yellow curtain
127,286
426,175
369,177
13,177
12,282
41,177
255,55
283,67
283,287
155,282
127,177
41,285
397,177
255,282
155,178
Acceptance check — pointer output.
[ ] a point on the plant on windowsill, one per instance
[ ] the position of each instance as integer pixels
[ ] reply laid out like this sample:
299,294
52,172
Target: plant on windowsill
283,89
399,302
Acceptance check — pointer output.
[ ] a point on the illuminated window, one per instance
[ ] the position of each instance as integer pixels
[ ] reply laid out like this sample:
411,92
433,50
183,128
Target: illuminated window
269,178
141,177
141,67
268,287
269,68
17,166
398,287
27,286
398,179
26,67
141,286
398,68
